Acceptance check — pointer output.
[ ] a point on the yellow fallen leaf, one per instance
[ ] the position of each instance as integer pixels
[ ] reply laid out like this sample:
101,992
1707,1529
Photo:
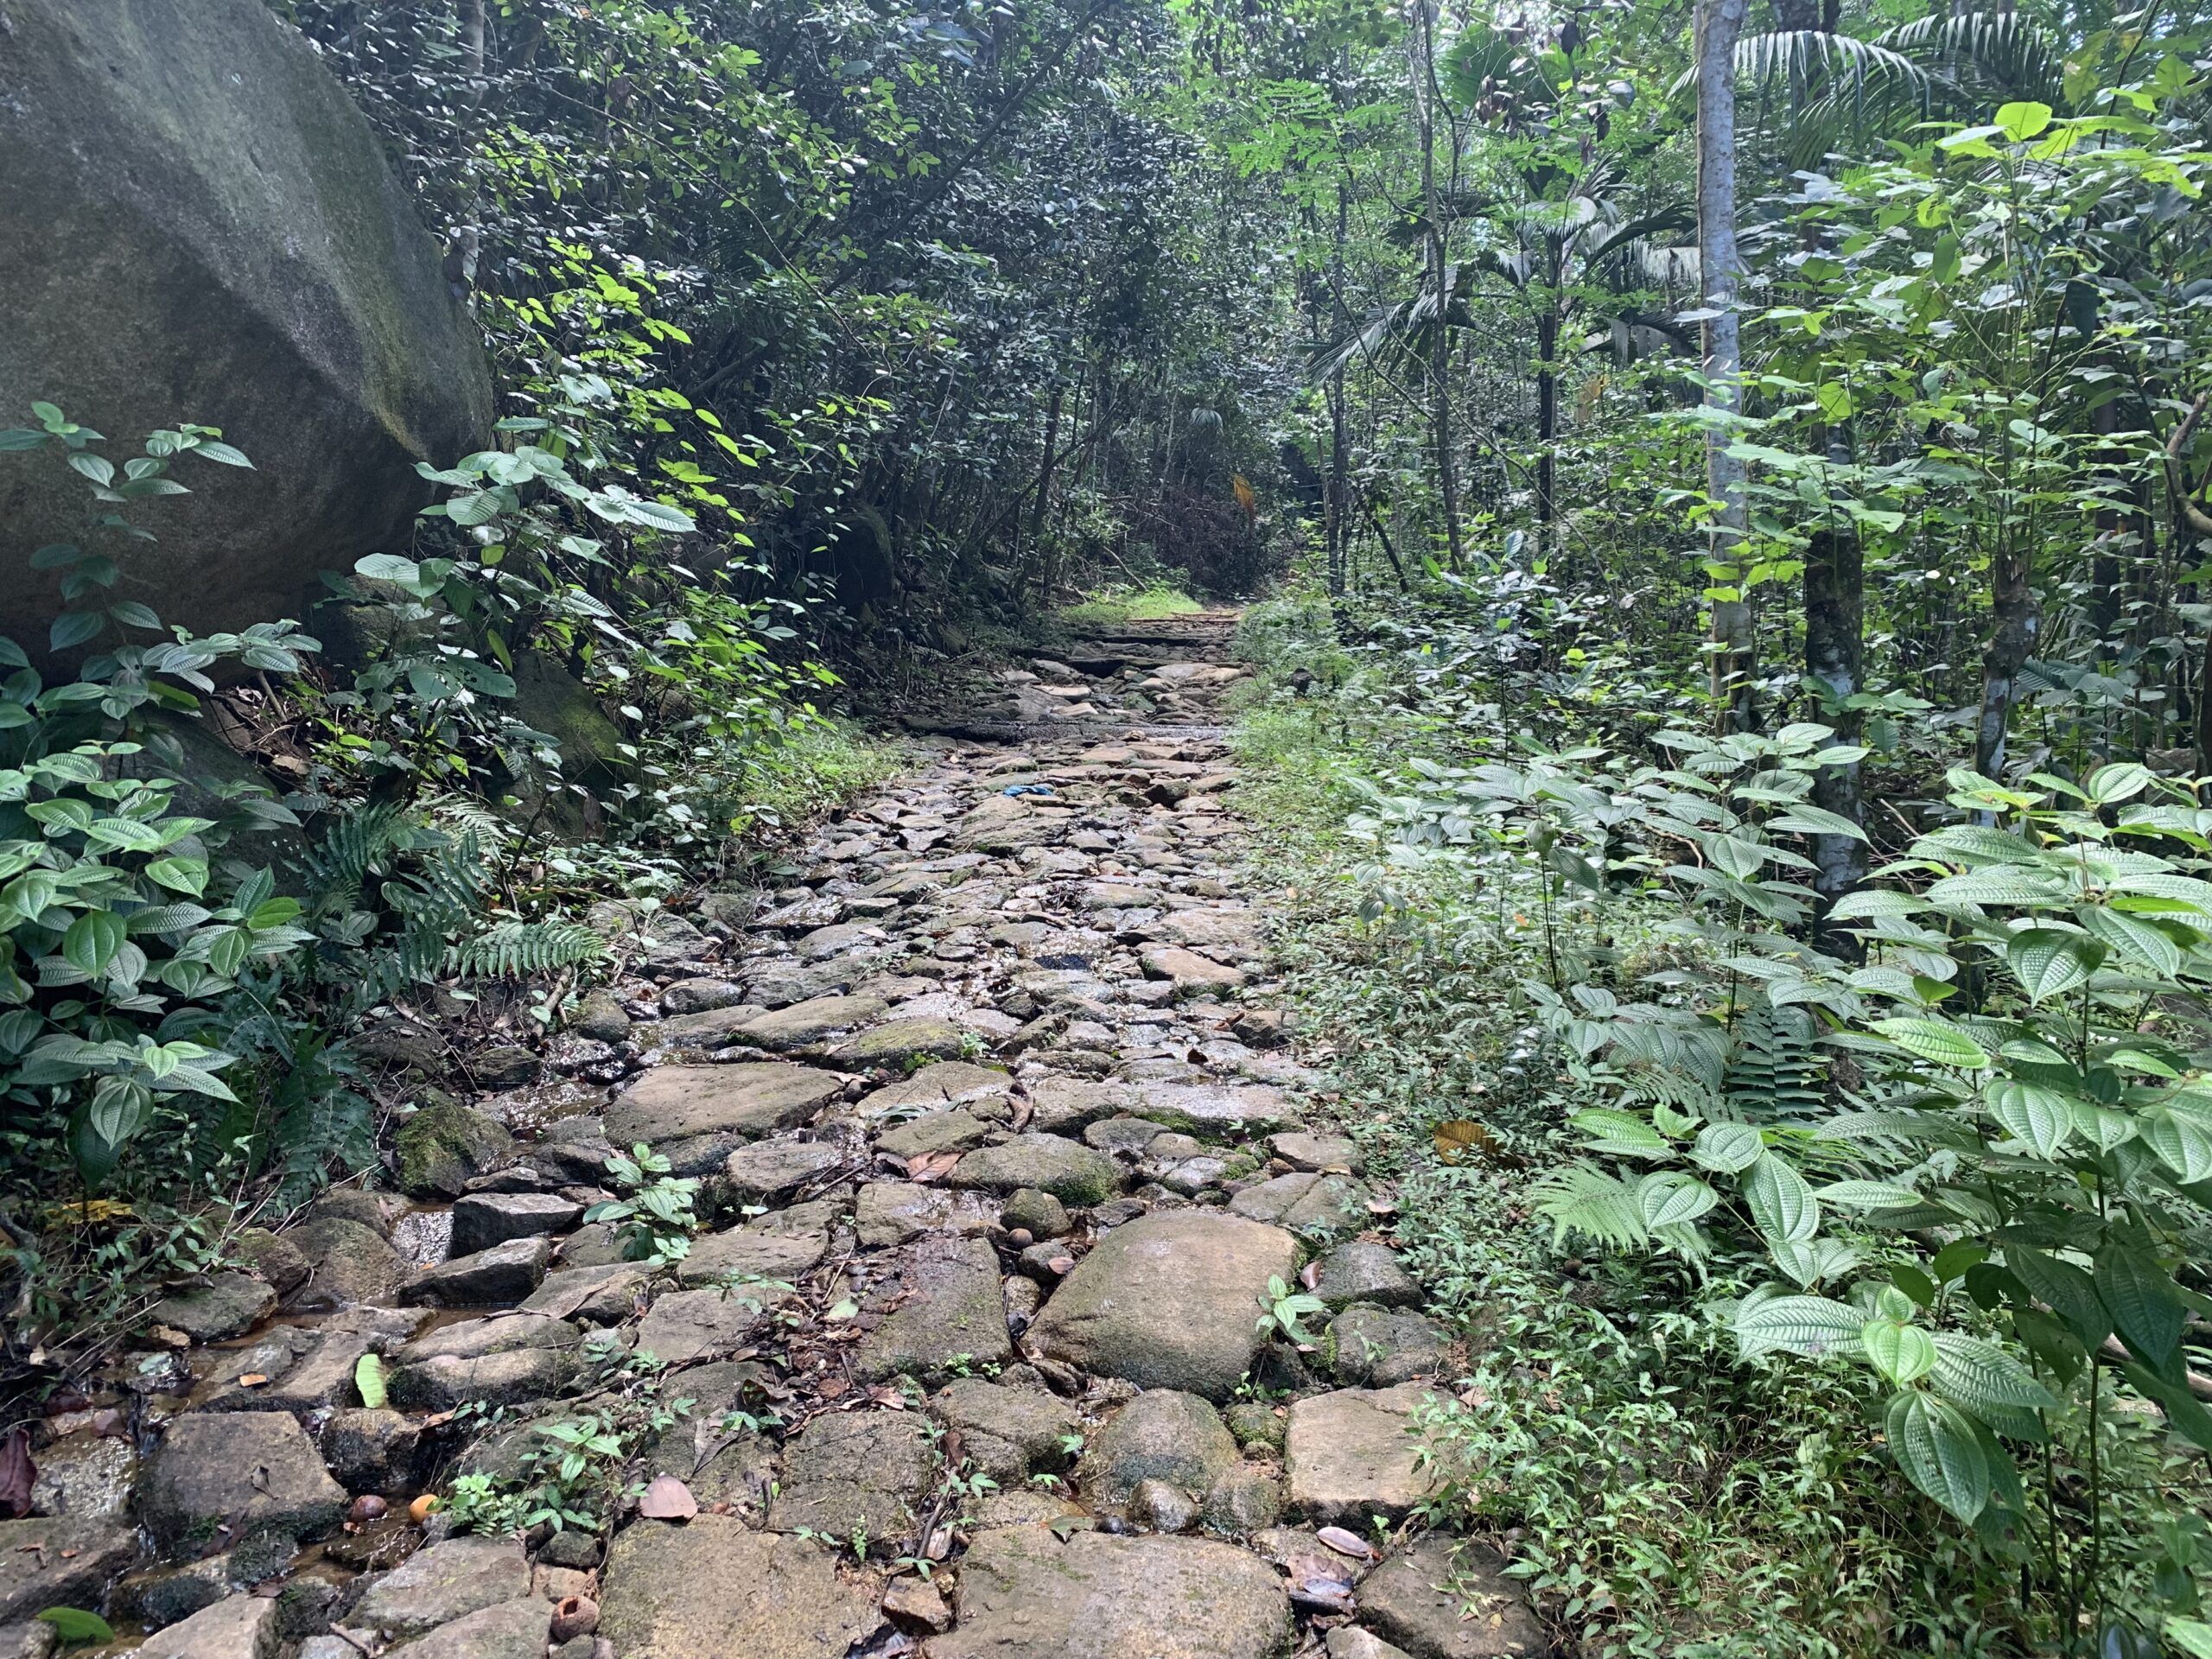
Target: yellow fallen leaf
1460,1136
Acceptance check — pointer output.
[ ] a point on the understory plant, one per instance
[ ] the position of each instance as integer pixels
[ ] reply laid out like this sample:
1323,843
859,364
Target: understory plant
1976,1162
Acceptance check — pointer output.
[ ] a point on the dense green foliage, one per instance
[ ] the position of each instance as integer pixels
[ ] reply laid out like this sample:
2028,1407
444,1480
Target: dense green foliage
1742,810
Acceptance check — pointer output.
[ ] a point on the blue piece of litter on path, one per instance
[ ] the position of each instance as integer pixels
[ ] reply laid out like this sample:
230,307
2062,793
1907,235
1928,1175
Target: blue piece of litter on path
1027,789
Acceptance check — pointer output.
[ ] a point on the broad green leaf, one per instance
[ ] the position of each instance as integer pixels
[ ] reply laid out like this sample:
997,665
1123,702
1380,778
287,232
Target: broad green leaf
180,874
2139,1295
2176,889
1903,1353
2067,1290
2122,780
2002,887
1984,1379
75,1625
2192,1635
1875,901
1670,1198
1868,1195
119,1109
93,940
368,1381
125,835
2041,1117
1934,1041
2049,962
1940,1452
1782,1204
1816,821
1727,1147
1741,859
1977,843
1813,1326
2103,1125
1814,1259
2183,1142
2142,941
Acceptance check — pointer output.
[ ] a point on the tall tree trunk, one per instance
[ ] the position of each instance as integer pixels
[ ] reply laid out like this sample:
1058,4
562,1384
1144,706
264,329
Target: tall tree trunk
1834,622
1720,23
1339,520
1042,508
2014,624
1439,275
1546,426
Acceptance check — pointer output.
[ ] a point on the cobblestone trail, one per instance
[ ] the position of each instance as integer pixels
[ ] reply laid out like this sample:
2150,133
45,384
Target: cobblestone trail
1002,1145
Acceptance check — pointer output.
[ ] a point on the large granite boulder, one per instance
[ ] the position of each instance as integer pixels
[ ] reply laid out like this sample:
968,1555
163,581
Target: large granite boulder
196,224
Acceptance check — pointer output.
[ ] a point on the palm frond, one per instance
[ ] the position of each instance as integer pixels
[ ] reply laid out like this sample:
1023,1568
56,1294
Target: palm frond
1986,57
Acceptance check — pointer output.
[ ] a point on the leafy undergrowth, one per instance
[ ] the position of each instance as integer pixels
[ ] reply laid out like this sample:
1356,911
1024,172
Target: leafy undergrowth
1111,607
1658,1494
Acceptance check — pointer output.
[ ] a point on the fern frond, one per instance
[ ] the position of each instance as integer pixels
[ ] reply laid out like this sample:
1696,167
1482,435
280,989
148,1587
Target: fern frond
1584,1198
357,845
516,950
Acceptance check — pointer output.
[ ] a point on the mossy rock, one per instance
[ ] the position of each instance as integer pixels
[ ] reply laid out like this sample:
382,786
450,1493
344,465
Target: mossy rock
445,1145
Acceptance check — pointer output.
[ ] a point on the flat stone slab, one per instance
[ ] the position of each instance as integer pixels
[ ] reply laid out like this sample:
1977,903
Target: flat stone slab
226,1305
483,1219
951,1310
81,1554
1350,1456
1006,1433
238,1627
1302,1149
1171,1300
1318,1206
1026,1595
900,1041
713,1588
1231,934
688,1324
1381,1347
451,1579
1363,1271
772,1172
888,1213
750,1253
499,1277
1439,1606
1160,1435
804,1024
674,1103
853,1473
1189,972
246,1472
512,1629
950,1082
1070,1170
1220,1111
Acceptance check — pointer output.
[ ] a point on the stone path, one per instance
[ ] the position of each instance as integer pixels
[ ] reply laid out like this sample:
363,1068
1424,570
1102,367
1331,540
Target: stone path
1001,1150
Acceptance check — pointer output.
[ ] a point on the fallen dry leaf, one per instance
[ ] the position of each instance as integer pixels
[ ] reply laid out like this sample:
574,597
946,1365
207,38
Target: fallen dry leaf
667,1499
1347,1543
931,1166
17,1473
1460,1137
